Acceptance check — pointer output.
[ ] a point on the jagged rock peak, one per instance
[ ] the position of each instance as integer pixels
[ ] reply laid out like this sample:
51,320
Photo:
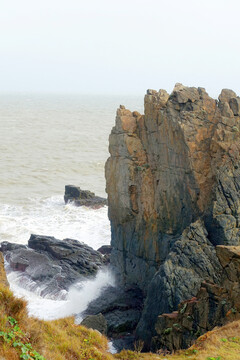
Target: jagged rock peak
173,184
177,162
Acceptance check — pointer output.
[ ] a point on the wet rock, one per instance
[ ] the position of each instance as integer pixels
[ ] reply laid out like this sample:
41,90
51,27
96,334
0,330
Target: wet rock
96,322
106,251
52,264
121,309
82,197
226,95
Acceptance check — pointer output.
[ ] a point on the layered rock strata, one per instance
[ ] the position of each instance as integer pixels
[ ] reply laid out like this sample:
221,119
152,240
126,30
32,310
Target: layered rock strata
173,184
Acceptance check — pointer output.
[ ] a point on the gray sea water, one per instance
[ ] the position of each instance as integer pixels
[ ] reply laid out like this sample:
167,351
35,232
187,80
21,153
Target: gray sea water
47,142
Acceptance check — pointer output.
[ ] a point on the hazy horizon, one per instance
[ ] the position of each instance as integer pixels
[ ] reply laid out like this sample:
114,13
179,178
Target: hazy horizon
115,48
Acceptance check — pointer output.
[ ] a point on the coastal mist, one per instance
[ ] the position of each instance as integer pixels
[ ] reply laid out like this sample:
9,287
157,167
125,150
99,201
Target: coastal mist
47,142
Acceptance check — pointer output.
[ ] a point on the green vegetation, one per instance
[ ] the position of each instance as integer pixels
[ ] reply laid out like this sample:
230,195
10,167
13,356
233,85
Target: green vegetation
16,338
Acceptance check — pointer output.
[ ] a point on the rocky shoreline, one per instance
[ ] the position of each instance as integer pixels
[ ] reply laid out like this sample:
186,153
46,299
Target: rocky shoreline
173,185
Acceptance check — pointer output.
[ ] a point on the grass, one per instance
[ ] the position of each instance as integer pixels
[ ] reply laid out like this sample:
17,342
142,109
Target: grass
63,340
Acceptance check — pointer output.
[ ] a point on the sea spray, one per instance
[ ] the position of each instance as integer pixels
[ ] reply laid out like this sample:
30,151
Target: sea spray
77,299
50,216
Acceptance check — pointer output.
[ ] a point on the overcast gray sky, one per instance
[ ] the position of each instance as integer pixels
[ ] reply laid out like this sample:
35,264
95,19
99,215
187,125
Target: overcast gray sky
120,47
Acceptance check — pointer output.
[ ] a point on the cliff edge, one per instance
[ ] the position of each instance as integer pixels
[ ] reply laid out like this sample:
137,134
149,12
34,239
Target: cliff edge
173,184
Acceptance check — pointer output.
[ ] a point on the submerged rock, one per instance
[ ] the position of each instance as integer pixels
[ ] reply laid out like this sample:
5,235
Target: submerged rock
52,264
173,184
83,197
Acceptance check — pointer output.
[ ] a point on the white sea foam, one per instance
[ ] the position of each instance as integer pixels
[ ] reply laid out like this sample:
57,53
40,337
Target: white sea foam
46,142
77,299
50,216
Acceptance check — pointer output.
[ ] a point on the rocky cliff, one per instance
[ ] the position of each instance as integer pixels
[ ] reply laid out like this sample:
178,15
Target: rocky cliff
173,184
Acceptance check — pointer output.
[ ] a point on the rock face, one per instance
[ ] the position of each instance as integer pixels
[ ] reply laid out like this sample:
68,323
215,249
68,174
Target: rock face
82,197
173,184
191,259
213,305
52,264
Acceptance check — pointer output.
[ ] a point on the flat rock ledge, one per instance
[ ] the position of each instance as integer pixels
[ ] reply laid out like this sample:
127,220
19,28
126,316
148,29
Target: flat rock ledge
52,264
78,197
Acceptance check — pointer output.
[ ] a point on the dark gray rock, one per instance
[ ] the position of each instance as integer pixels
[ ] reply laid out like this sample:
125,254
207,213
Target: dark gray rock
179,278
122,310
106,251
96,322
224,223
52,264
82,197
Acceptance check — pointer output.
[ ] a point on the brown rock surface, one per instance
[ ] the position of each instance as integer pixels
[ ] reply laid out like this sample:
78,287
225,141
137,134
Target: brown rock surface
3,277
173,184
175,163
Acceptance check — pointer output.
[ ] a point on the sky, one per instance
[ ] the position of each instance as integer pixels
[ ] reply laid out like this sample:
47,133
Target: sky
118,47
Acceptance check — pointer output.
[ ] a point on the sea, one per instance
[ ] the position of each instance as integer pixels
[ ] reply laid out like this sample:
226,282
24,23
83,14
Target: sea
48,141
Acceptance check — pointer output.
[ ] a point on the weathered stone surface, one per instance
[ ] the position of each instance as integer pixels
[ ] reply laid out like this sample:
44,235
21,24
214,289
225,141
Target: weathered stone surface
105,250
235,106
168,168
52,264
96,322
213,305
122,310
191,259
82,197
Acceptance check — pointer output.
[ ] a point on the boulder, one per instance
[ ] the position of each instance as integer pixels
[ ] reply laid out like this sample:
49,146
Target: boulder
52,264
121,309
96,322
106,251
80,197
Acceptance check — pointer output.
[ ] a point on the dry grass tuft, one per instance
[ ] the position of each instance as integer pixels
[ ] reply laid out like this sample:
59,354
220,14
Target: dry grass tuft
63,340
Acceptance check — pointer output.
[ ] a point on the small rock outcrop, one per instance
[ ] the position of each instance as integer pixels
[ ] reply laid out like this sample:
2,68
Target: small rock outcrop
173,184
121,310
51,263
96,322
80,197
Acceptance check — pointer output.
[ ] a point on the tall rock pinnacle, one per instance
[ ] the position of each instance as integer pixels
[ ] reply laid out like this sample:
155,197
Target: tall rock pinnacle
167,168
